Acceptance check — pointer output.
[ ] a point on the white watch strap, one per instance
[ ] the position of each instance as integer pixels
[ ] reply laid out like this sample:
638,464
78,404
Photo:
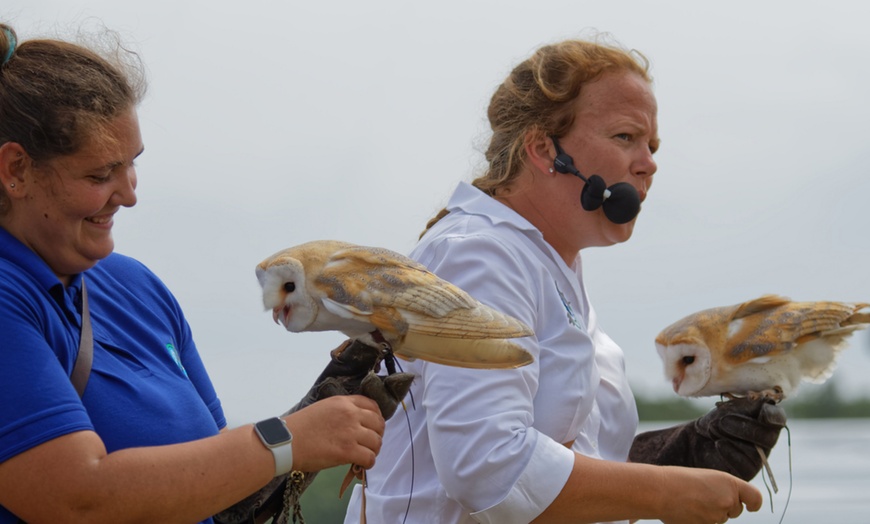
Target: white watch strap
277,438
283,458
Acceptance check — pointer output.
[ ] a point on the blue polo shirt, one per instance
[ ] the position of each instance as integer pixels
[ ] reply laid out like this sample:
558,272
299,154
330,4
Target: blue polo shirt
147,386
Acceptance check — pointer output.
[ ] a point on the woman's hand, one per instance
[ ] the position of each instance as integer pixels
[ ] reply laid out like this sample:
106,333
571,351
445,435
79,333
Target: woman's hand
704,496
334,431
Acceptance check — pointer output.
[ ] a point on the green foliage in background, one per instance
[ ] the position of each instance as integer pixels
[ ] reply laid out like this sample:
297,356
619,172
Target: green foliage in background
811,401
676,408
320,503
826,401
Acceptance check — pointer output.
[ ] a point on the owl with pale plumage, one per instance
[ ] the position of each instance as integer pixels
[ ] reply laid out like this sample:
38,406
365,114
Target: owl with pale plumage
379,296
766,346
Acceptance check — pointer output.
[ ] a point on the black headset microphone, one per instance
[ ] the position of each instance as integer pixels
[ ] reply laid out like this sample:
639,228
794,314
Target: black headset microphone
620,202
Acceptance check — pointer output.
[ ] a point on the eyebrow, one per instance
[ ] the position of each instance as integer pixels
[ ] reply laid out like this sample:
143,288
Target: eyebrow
113,165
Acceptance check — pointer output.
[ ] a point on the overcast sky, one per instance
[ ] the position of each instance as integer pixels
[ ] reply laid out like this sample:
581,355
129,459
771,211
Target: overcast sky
268,124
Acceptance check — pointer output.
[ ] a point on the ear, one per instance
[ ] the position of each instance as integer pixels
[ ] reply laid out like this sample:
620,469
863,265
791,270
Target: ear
540,150
14,162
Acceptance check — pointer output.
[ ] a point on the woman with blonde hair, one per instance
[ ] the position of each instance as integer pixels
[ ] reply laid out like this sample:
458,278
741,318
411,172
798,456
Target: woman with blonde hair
574,131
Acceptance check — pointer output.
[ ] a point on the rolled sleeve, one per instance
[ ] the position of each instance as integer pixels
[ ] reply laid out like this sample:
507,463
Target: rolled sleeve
495,439
538,486
486,453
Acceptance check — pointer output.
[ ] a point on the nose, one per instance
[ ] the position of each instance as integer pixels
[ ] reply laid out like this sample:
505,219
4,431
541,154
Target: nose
125,193
644,165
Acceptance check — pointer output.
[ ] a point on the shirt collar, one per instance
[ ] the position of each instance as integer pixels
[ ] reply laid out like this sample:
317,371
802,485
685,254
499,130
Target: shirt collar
16,253
473,201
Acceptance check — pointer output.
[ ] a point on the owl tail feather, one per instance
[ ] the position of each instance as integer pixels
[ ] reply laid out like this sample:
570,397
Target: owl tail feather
464,353
819,356
859,319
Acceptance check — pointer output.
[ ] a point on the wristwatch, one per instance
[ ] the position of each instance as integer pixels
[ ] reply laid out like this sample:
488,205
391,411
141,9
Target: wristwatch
278,439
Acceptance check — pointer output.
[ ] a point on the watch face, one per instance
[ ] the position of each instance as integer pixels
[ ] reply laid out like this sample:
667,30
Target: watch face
273,431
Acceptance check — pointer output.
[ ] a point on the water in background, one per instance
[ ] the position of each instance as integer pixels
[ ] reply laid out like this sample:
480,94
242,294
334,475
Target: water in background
830,474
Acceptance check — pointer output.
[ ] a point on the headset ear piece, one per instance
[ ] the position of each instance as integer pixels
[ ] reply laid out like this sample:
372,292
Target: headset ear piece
564,164
593,193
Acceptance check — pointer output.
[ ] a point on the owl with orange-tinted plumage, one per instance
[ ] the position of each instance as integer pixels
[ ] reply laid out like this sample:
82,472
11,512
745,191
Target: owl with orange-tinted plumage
379,296
765,346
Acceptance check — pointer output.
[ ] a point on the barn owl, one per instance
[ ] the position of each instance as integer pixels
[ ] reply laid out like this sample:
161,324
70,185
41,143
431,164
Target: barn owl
376,296
766,346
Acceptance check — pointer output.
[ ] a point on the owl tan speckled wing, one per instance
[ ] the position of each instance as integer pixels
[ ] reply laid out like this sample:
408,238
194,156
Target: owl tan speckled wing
371,278
424,316
770,325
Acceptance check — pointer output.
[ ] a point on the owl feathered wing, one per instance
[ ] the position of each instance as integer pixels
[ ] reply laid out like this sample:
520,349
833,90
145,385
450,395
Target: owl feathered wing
772,325
429,318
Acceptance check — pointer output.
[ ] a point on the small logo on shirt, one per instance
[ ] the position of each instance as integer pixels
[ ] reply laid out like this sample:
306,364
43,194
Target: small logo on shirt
176,357
572,319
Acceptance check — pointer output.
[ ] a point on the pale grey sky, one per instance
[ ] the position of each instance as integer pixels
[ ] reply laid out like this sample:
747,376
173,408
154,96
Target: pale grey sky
269,124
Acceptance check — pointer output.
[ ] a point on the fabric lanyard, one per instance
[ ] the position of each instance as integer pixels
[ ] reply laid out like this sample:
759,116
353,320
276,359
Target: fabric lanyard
82,369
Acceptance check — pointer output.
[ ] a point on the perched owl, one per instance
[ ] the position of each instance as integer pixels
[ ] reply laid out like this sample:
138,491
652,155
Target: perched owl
764,346
376,295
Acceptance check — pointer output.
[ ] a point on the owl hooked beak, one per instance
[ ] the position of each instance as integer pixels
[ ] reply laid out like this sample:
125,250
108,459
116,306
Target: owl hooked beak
677,381
281,315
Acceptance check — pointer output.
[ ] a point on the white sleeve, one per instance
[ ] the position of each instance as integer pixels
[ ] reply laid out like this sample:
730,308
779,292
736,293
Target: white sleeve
487,455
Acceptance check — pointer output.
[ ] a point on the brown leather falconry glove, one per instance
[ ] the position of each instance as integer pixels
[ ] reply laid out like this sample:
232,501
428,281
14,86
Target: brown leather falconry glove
350,372
724,439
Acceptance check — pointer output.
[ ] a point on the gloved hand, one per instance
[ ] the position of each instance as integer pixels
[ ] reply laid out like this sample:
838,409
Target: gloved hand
724,439
351,371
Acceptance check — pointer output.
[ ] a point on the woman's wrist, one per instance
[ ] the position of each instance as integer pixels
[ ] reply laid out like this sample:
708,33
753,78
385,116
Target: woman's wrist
278,439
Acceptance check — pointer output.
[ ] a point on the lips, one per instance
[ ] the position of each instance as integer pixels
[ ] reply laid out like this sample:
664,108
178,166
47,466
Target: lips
101,220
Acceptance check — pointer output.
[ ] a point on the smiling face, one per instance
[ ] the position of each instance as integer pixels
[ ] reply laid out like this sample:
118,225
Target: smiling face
63,208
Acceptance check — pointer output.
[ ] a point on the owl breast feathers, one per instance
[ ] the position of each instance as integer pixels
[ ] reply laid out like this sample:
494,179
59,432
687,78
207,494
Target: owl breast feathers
757,346
377,295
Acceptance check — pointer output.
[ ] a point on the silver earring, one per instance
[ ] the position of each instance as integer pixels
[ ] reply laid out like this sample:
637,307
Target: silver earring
551,170
12,186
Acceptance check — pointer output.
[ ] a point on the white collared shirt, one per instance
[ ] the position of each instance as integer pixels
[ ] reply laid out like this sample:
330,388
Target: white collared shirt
493,445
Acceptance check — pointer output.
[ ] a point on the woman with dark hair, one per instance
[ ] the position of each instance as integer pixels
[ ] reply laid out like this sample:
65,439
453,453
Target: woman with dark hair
139,435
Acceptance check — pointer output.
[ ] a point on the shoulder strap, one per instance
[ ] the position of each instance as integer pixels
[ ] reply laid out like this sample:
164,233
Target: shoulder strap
82,369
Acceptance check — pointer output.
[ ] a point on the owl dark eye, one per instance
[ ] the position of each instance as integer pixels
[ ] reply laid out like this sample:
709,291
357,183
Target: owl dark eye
688,360
289,287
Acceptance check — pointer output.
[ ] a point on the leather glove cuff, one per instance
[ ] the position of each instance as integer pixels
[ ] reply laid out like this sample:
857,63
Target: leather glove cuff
724,439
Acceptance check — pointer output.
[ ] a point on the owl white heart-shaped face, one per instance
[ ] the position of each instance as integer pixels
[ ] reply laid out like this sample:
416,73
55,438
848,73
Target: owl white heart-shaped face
688,366
286,294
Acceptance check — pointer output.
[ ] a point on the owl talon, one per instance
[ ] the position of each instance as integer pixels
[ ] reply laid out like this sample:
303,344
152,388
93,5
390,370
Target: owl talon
775,394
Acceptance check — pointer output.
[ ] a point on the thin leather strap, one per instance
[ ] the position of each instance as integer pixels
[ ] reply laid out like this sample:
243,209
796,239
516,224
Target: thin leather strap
82,369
